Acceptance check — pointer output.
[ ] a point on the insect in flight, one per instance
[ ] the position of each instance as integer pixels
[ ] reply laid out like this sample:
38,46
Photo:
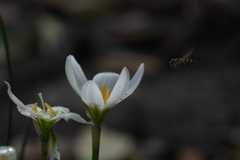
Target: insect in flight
178,62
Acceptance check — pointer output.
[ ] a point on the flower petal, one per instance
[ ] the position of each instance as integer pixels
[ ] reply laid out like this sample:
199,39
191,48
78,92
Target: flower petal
135,81
91,95
20,106
119,89
75,75
42,114
8,152
12,96
27,110
60,110
74,116
109,78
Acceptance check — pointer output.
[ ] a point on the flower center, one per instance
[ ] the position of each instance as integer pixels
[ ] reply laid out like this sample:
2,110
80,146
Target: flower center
105,92
46,107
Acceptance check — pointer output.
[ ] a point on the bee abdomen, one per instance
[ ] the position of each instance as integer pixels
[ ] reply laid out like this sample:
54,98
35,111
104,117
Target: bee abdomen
191,62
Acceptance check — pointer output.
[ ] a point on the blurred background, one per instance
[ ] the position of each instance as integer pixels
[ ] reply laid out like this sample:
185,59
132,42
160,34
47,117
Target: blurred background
188,113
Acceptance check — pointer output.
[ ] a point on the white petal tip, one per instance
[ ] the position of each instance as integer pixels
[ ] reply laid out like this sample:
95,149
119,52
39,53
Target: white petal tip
70,57
142,66
8,85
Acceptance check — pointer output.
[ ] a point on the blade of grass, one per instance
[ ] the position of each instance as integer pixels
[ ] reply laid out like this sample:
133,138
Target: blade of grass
24,142
6,47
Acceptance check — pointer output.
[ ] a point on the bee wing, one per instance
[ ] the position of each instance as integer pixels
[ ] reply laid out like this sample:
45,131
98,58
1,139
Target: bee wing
188,54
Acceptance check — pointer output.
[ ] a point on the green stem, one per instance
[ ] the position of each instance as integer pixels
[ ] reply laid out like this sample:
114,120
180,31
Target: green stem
96,133
27,129
44,146
6,47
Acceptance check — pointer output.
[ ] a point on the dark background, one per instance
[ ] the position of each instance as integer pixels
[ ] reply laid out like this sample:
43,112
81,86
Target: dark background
188,113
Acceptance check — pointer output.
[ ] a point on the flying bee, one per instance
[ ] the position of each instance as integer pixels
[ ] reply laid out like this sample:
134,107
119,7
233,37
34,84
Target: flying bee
178,62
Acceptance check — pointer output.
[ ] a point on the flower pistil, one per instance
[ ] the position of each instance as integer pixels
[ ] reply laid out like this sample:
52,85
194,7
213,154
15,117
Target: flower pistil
46,107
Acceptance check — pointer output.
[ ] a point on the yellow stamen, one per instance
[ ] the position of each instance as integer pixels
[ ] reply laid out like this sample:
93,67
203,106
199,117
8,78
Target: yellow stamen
103,89
50,109
105,92
106,96
62,112
34,108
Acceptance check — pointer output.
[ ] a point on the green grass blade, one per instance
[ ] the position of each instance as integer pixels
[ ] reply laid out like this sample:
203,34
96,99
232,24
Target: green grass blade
6,46
24,142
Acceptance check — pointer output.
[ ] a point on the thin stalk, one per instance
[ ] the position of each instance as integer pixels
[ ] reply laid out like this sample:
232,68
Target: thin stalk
6,47
21,157
44,146
96,133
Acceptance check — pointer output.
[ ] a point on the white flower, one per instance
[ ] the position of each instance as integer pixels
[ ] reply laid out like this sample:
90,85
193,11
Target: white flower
106,89
7,153
44,118
47,113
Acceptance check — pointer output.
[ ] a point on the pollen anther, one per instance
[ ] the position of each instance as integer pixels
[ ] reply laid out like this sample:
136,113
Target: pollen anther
106,96
50,109
103,89
105,92
34,108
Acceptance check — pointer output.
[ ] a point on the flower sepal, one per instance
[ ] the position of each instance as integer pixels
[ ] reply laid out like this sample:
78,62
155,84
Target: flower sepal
43,126
96,114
